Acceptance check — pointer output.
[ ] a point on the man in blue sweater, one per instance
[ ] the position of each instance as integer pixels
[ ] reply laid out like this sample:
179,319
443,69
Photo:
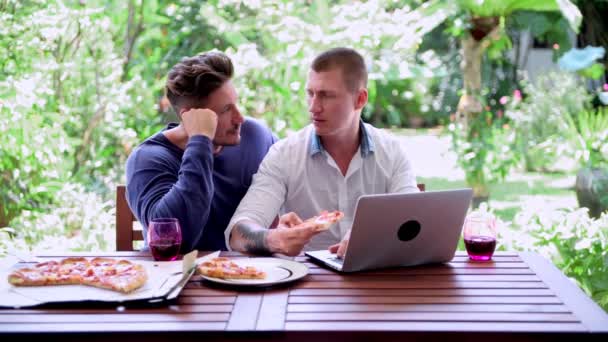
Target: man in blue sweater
198,170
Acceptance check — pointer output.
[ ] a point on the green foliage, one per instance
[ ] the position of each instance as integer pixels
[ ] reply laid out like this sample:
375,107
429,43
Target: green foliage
589,133
491,8
29,170
30,166
273,67
484,150
546,19
6,240
594,72
74,102
505,7
544,116
576,244
546,27
79,221
65,112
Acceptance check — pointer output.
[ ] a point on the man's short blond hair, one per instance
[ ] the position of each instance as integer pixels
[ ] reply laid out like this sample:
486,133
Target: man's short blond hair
350,62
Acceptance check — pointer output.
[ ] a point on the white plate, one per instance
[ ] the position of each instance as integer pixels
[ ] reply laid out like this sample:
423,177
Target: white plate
278,271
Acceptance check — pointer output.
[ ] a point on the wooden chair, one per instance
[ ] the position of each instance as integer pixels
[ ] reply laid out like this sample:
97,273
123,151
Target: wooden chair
126,234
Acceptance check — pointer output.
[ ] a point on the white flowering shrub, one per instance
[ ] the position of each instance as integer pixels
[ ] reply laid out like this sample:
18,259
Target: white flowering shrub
66,109
544,118
78,221
574,242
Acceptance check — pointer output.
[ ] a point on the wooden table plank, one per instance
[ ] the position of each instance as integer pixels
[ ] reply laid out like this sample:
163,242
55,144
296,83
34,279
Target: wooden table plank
417,278
427,308
245,312
421,300
198,292
406,284
423,292
502,256
273,310
436,270
435,326
206,300
469,265
105,327
493,265
122,310
116,318
432,317
592,316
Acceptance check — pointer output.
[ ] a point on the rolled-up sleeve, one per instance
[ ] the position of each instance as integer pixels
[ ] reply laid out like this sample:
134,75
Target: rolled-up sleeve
267,193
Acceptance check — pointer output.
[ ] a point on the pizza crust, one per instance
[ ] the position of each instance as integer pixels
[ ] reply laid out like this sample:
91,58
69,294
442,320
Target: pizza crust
117,275
325,220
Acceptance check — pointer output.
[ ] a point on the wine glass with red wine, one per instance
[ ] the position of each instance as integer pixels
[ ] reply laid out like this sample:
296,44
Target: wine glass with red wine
480,236
164,238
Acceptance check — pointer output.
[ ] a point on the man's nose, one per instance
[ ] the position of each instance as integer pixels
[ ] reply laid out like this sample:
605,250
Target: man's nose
237,117
314,104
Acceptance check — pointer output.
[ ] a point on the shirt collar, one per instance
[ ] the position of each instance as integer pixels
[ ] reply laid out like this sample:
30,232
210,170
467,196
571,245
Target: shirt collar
366,142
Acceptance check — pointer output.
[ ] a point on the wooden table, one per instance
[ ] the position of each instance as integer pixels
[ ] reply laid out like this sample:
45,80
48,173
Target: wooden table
517,296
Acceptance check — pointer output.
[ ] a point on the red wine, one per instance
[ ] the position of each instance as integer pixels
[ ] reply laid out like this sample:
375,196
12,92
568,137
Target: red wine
165,250
480,247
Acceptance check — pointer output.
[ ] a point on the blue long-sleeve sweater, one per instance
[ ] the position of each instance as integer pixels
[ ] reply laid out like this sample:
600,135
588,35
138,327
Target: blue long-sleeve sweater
199,189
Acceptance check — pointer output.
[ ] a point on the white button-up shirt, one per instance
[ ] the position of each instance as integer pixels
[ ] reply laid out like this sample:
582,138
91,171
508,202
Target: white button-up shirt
298,175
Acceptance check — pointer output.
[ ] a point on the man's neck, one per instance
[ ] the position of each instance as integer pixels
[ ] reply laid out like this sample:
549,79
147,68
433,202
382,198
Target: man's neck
178,137
342,147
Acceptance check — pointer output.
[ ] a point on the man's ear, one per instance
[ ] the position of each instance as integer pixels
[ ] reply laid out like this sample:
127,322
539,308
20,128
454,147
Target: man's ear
182,111
362,96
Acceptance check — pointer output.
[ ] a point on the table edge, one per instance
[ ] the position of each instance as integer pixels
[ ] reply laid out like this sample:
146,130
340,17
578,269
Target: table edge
590,313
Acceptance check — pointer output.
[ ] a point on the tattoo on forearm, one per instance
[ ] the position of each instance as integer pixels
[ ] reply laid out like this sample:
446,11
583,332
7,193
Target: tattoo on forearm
254,237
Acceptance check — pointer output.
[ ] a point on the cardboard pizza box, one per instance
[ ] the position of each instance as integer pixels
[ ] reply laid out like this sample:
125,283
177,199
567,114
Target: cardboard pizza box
165,282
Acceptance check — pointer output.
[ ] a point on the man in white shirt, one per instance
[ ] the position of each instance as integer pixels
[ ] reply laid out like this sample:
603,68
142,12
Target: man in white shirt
325,166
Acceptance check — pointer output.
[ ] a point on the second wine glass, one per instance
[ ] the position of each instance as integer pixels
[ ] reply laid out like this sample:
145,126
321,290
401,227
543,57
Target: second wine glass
164,238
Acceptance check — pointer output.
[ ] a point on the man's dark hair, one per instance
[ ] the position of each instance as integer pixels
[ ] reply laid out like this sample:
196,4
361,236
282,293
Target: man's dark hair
192,79
349,61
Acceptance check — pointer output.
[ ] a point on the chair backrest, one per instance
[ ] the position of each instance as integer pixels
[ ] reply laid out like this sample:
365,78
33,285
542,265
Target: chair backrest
126,234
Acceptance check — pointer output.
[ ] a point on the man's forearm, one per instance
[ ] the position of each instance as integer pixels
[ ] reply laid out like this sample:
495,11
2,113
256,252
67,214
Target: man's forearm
155,190
248,236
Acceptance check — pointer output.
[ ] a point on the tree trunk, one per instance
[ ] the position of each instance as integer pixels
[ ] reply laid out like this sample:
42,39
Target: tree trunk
3,219
482,32
469,104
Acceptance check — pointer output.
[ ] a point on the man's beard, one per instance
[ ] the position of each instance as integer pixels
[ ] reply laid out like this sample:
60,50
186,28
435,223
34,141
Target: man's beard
231,138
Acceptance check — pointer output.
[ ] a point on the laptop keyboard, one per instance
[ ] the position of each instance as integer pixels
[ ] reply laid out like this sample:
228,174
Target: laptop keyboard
337,260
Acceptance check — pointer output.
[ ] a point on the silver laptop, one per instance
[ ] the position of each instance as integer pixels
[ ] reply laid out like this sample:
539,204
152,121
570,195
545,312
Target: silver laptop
391,230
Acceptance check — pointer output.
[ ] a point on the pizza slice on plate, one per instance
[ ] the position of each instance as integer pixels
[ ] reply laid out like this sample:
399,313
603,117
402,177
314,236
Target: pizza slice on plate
224,268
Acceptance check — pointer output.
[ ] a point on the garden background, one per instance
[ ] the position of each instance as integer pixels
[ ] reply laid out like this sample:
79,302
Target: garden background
82,84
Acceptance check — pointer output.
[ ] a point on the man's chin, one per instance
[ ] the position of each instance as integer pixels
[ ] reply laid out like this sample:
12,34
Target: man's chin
320,131
227,141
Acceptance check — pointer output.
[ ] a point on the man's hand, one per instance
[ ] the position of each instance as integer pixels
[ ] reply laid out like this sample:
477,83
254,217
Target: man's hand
198,121
340,248
289,237
290,240
289,220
